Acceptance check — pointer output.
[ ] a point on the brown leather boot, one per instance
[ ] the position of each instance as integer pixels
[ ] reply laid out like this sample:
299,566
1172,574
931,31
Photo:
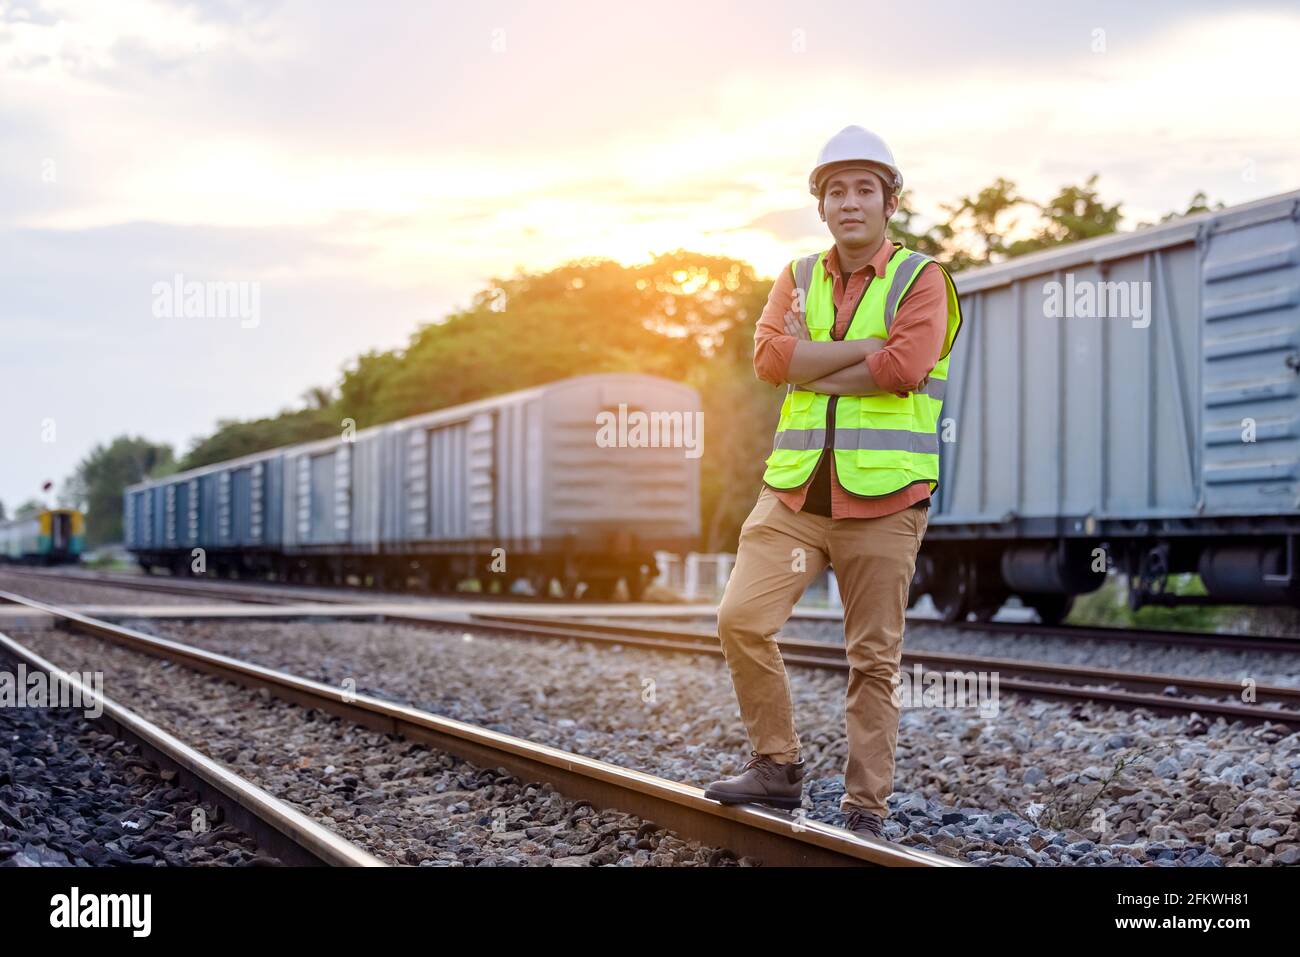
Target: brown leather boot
865,822
763,781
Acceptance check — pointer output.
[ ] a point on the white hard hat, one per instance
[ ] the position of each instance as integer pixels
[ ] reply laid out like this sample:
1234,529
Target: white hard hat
854,143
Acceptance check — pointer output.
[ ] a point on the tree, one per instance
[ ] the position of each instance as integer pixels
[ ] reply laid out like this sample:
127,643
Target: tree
934,241
979,227
1199,203
2,511
979,224
29,509
103,475
233,439
1073,214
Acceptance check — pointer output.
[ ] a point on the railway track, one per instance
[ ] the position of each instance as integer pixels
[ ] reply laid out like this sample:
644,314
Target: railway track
1161,693
265,593
1164,694
258,593
772,836
277,827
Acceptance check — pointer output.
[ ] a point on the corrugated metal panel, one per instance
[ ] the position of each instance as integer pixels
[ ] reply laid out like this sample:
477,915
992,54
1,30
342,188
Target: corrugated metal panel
447,485
322,503
225,534
178,512
518,496
478,470
391,444
417,484
241,506
303,500
169,525
366,491
629,485
461,481
272,498
209,524
159,506
256,498
1130,416
146,518
1251,295
192,512
342,492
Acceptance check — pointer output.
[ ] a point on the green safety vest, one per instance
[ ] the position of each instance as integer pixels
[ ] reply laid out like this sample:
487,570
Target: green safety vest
882,443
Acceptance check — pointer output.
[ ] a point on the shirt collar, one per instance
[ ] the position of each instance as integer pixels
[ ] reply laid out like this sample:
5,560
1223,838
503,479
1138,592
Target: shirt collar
878,263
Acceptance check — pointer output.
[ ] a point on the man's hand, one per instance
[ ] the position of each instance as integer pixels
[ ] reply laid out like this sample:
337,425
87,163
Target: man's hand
795,326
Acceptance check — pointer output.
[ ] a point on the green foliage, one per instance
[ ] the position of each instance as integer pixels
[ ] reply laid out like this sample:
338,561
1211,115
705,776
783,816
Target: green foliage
103,475
29,509
978,228
1199,203
1075,213
1108,607
233,439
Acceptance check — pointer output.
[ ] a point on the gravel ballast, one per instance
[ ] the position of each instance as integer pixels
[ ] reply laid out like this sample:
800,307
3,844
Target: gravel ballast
402,801
1175,658
70,592
72,794
1036,783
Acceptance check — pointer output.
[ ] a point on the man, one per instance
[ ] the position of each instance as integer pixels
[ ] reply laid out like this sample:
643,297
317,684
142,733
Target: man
860,335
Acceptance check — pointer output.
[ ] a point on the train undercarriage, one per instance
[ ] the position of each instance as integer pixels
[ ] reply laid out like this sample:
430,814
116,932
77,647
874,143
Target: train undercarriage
974,578
590,577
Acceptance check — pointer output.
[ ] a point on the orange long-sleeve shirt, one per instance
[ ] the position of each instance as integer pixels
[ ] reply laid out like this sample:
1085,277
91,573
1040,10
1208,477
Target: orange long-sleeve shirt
911,350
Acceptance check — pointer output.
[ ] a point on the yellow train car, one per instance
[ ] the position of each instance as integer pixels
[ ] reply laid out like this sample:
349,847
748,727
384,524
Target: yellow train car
55,536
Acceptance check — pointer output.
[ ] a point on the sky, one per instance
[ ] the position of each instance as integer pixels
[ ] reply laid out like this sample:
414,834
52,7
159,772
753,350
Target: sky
366,168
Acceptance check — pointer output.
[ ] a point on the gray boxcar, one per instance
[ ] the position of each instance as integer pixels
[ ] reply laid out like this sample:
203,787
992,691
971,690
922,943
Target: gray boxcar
1133,397
579,480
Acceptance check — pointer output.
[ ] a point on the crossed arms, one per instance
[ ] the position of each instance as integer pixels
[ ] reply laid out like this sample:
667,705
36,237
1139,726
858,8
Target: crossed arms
832,368
783,351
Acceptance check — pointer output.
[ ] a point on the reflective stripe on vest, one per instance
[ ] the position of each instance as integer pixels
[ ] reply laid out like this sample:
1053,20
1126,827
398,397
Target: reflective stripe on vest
882,442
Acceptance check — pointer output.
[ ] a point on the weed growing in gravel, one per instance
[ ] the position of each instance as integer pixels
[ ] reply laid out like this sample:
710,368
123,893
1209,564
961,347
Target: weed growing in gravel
1071,807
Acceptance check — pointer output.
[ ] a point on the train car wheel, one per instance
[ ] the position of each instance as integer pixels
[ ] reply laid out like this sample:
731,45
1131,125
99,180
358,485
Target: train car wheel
1052,609
600,589
951,592
636,583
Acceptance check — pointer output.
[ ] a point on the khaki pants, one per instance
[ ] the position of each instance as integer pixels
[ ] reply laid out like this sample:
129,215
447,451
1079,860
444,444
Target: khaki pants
781,551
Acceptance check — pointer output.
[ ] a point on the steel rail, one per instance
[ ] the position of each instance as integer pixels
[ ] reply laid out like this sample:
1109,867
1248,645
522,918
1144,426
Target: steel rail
773,836
278,828
1041,679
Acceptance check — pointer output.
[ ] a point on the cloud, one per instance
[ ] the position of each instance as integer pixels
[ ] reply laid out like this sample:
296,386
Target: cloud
372,164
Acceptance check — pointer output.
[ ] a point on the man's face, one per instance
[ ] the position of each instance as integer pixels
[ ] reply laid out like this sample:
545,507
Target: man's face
853,206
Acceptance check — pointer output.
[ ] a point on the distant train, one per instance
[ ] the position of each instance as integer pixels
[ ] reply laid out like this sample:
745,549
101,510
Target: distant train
576,482
1131,401
52,537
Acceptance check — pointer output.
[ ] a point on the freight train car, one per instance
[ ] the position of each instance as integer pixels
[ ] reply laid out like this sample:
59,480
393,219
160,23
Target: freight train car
55,536
578,481
1132,402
